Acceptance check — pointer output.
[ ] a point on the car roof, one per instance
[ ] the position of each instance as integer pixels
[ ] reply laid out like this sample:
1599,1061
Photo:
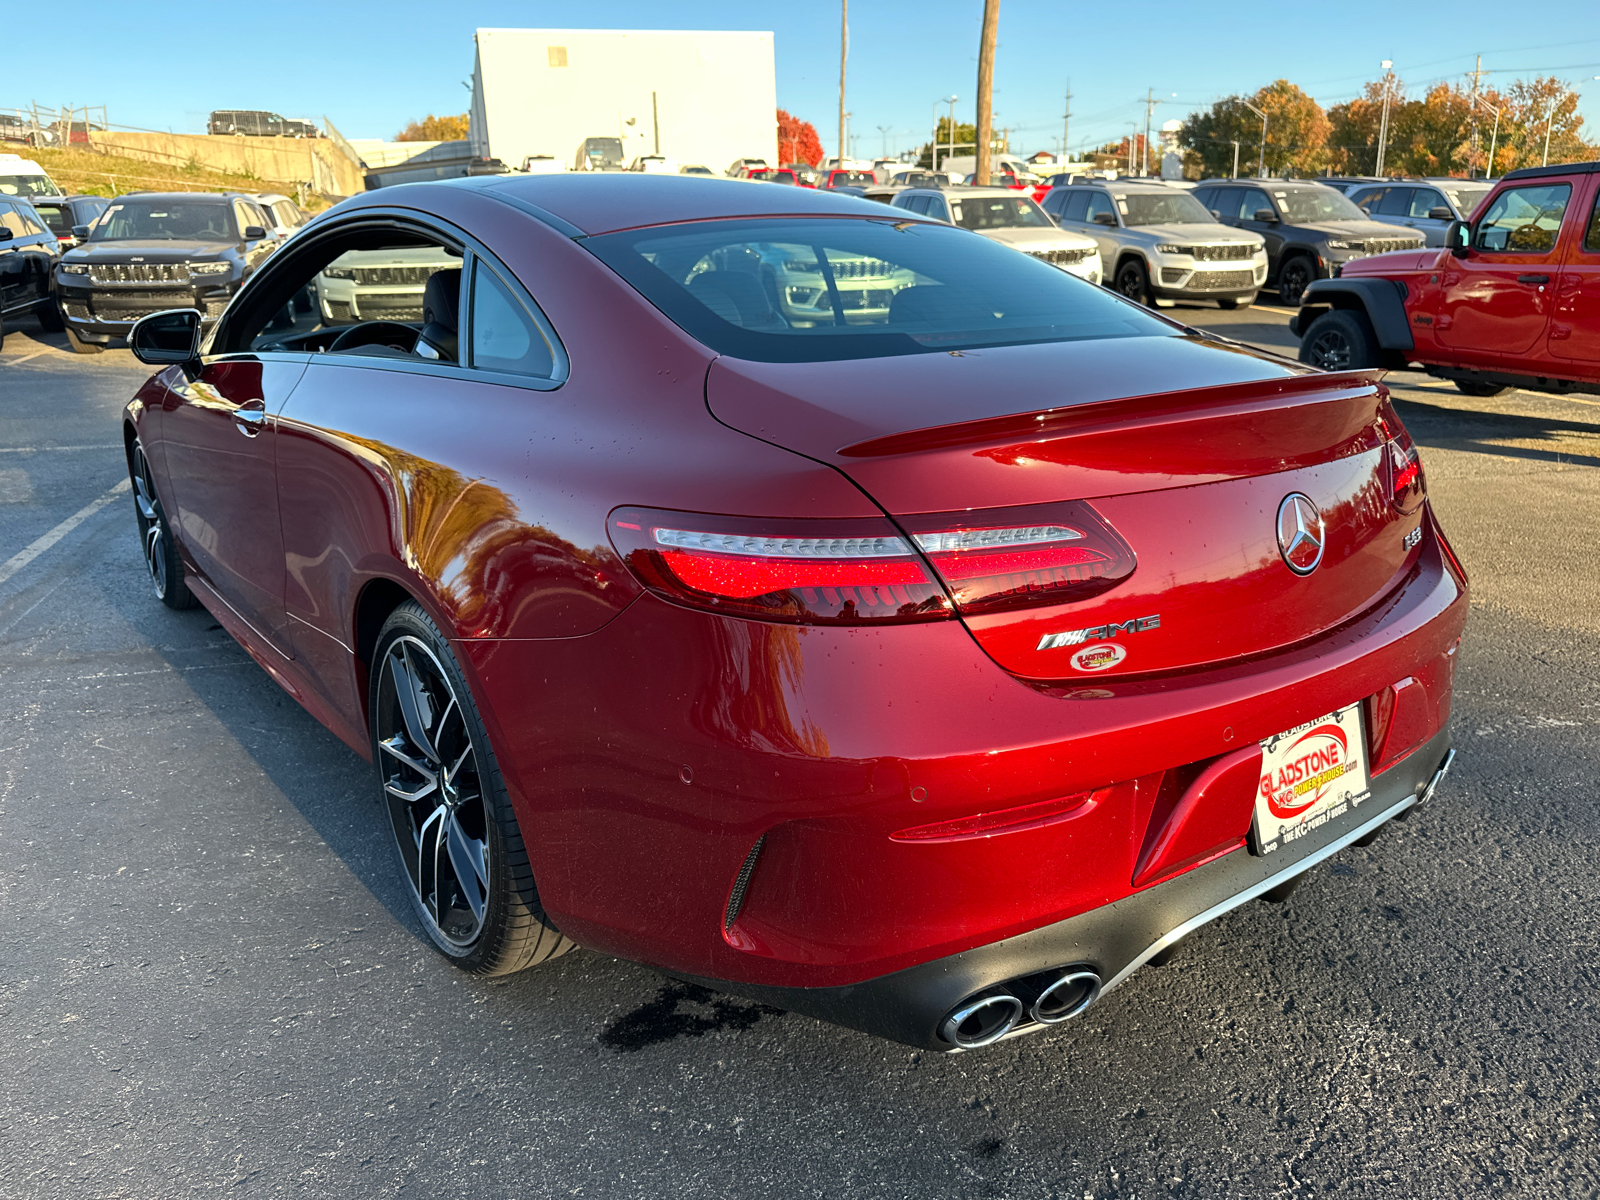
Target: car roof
188,195
596,202
1263,183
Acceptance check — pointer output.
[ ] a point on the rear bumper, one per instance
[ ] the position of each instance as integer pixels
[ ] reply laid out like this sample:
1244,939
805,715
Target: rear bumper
1113,941
647,760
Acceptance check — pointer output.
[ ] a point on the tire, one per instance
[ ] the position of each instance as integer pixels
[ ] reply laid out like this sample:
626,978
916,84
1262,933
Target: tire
1234,303
1340,340
423,718
155,536
1294,277
50,318
1133,281
79,346
1469,387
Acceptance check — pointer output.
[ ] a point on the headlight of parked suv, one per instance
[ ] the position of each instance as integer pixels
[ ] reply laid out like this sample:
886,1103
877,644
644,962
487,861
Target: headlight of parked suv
74,268
1169,248
221,267
1336,244
339,273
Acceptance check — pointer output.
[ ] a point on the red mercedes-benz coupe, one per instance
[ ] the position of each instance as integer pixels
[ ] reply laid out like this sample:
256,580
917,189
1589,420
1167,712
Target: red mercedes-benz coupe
689,562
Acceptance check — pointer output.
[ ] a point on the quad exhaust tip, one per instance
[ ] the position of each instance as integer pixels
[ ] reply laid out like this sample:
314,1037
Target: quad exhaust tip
1051,997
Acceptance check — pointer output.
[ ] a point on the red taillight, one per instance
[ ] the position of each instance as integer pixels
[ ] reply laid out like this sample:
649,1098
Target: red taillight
1021,557
1404,466
803,571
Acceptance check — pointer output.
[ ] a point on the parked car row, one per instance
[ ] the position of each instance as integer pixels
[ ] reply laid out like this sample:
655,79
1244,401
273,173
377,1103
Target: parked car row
93,266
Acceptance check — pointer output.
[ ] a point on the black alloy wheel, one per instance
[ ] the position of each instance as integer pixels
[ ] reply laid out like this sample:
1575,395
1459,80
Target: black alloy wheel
1133,282
155,539
1294,277
1340,340
460,848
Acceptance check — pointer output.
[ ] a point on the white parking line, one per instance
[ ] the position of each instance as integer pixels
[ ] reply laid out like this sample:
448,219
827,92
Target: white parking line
50,449
42,543
17,362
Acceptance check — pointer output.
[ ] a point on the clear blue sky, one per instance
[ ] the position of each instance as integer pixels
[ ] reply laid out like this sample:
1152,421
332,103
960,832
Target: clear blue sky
372,67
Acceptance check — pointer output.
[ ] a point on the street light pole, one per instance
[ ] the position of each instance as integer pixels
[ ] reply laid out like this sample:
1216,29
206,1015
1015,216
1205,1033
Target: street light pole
1495,137
1383,126
844,54
1236,160
1261,167
951,100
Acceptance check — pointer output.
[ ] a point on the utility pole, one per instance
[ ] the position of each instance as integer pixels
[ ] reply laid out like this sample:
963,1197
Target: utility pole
1383,127
1066,123
1236,160
885,130
844,54
985,133
1150,103
1472,107
1261,169
951,101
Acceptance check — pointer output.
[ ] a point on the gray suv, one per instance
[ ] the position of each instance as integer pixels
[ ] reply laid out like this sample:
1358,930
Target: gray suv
1160,245
1426,205
1311,229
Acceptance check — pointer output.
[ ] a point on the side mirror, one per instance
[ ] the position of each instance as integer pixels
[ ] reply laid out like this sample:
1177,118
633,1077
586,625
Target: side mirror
5,234
254,233
1105,218
1441,213
1266,216
1458,238
81,232
1217,213
164,338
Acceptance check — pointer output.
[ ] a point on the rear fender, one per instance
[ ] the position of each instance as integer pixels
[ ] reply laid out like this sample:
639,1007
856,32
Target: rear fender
1383,300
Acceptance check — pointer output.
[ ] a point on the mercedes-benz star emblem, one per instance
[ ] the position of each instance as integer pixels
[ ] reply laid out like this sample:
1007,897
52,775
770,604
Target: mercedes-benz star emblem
1300,533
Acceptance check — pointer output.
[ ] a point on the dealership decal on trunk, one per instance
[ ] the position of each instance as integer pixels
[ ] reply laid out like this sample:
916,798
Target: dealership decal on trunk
1098,658
1097,633
1310,775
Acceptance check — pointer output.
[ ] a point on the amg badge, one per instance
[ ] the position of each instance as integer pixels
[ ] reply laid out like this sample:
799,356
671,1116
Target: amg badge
1076,637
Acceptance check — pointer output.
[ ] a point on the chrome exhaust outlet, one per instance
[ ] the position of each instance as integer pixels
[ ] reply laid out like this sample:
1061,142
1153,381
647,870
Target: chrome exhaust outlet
981,1020
1072,992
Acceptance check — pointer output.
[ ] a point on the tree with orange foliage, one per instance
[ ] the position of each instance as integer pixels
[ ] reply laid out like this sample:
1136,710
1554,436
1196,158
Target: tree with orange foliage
797,140
435,129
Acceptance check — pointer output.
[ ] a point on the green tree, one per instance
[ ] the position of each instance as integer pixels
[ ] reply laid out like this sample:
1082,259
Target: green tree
966,140
1297,133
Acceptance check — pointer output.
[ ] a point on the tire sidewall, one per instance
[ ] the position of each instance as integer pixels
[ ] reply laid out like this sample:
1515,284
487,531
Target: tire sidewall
1134,271
1296,264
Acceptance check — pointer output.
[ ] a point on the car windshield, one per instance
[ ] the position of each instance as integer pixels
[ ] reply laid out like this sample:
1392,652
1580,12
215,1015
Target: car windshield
1464,196
166,220
1178,208
27,185
829,289
1305,205
998,212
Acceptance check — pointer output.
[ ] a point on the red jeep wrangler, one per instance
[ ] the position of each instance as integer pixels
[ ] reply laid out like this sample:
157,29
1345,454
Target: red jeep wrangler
1511,300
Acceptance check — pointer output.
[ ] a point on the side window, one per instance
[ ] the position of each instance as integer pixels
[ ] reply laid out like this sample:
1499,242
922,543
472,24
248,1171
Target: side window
1524,220
30,223
1252,201
938,209
241,216
1423,202
1397,203
918,204
1591,239
1369,199
11,219
504,335
1076,206
1052,202
1098,203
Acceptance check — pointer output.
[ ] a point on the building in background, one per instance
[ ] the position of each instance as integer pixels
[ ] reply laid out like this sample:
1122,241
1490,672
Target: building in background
598,99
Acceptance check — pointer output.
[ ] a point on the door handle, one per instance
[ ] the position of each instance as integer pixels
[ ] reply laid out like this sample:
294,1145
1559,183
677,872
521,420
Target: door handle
250,418
1533,279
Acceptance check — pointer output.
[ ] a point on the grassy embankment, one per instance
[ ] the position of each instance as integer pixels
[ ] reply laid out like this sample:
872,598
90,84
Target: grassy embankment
91,173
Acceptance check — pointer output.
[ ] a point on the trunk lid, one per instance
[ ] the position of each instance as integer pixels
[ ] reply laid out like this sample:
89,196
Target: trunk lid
1191,478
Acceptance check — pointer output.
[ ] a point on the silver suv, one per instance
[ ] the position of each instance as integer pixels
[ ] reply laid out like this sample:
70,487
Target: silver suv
1159,244
1010,218
1426,205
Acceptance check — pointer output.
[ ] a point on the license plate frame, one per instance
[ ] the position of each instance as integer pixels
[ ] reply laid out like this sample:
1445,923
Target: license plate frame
1325,759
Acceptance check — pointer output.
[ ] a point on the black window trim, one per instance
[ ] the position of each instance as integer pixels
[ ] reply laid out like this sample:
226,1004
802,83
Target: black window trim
425,226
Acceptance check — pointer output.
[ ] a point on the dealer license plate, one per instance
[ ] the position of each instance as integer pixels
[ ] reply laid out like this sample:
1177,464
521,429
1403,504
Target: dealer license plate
1310,775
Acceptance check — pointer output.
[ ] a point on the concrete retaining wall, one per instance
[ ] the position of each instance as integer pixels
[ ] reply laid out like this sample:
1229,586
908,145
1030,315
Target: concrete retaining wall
285,161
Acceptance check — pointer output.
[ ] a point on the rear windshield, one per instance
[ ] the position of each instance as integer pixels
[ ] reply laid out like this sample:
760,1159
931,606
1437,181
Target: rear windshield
823,290
56,216
1180,208
998,212
1304,206
27,185
166,220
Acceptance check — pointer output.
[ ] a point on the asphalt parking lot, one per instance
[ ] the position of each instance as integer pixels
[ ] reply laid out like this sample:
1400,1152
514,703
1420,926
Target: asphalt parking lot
211,981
